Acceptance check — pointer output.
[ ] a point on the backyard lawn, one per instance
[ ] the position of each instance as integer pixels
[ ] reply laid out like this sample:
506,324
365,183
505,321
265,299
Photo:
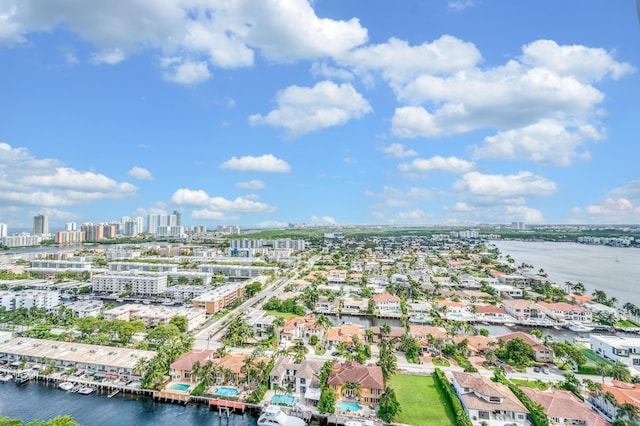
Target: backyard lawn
422,403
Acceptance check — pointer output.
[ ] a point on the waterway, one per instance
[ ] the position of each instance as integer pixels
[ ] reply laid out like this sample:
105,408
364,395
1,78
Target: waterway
614,270
45,401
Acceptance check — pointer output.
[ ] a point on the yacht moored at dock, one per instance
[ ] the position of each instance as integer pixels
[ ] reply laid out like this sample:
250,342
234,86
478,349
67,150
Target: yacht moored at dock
274,416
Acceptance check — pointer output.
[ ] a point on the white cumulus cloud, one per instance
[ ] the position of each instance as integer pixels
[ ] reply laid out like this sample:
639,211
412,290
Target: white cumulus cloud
264,163
504,186
252,184
306,109
140,173
452,165
398,150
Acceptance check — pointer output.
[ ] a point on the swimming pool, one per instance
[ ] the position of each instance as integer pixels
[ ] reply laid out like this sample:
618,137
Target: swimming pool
284,400
226,391
350,406
182,387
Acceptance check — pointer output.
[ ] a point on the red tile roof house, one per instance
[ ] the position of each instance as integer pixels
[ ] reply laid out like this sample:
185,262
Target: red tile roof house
539,352
387,304
565,312
477,345
300,328
622,393
563,407
367,378
483,399
180,369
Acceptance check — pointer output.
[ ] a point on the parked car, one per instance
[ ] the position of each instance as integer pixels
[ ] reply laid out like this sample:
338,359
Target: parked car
545,371
336,353
536,369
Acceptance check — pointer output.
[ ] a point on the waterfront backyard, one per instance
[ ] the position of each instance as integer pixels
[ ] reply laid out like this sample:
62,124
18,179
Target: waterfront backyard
412,391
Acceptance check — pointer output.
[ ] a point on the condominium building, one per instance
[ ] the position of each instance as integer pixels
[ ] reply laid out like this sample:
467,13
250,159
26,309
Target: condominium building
4,229
69,237
22,240
134,283
283,243
152,316
47,299
236,271
41,225
54,266
145,267
217,299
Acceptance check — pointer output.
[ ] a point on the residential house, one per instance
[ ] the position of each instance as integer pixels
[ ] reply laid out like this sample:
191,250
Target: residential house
354,382
485,400
528,312
337,276
539,352
566,312
621,393
345,333
477,345
429,335
395,333
300,328
354,306
492,313
231,370
618,349
387,304
299,378
564,408
327,305
182,369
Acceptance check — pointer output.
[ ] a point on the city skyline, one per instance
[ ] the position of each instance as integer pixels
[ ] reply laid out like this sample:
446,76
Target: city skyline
444,112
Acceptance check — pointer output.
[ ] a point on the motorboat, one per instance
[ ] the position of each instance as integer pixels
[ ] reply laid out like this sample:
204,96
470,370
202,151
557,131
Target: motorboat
274,416
66,386
86,390
579,327
22,379
6,378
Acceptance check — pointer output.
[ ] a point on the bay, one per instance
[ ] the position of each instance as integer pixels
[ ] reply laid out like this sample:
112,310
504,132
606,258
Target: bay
43,401
614,270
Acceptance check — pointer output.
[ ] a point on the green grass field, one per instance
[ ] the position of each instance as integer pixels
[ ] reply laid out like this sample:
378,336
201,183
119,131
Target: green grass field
538,384
422,403
591,356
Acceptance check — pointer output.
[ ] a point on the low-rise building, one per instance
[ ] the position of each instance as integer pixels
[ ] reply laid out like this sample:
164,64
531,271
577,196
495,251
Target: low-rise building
86,308
344,334
152,315
387,304
182,368
144,267
219,298
67,355
566,312
609,397
135,283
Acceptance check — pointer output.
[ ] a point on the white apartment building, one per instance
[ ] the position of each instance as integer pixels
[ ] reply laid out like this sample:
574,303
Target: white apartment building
152,316
217,299
12,300
135,283
184,292
86,308
282,243
618,349
144,267
22,240
60,265
236,271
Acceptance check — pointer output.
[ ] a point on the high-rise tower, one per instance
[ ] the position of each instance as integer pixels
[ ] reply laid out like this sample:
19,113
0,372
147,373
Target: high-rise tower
41,224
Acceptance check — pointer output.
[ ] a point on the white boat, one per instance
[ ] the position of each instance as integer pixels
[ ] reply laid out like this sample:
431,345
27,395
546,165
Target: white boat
6,378
86,390
579,327
66,386
274,416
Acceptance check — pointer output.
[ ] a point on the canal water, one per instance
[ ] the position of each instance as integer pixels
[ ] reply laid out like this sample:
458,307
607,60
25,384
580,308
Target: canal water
614,270
38,400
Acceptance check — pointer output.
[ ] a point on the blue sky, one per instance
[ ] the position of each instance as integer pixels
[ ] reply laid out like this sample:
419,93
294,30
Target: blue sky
261,113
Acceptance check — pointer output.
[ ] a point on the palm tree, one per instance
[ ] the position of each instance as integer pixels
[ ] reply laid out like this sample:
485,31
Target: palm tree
385,330
222,352
619,371
629,411
602,370
208,374
141,366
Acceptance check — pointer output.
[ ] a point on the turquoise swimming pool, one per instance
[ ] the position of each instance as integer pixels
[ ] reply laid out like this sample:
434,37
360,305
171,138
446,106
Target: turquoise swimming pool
284,400
350,406
183,387
226,391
